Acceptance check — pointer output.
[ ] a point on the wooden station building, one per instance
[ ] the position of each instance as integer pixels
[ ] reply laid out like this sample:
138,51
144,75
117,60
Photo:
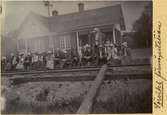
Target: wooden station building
69,31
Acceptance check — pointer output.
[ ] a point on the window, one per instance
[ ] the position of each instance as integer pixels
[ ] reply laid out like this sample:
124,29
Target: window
62,43
68,43
65,42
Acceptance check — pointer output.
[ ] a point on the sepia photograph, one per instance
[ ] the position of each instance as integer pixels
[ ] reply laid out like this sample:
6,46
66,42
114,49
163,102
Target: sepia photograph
76,57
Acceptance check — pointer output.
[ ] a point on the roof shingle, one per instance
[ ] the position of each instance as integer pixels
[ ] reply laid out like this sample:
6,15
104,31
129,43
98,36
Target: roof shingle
73,21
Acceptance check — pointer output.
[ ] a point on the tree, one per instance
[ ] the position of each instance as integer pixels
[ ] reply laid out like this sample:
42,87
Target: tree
143,28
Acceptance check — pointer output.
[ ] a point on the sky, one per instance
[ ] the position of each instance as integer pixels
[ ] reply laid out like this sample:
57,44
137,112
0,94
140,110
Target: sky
16,11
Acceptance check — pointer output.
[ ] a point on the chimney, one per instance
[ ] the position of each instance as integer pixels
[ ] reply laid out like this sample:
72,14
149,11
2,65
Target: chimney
81,7
54,13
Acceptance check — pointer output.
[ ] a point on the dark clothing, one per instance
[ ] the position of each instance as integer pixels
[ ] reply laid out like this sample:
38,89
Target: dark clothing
99,39
119,50
57,54
75,61
97,43
126,51
62,55
96,39
87,57
44,61
95,51
27,62
14,60
3,64
57,58
87,53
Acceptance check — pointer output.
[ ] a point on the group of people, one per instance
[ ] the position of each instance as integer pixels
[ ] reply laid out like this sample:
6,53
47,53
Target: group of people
100,50
37,61
97,52
110,53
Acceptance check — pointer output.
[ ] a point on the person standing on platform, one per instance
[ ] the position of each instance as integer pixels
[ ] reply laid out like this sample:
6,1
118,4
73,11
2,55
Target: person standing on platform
98,44
126,53
3,63
14,61
8,63
87,57
35,59
44,61
108,50
21,61
27,61
50,60
56,58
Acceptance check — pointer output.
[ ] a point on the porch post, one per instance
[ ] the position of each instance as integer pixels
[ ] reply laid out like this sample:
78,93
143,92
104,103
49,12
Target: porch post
114,39
17,45
26,45
53,44
78,47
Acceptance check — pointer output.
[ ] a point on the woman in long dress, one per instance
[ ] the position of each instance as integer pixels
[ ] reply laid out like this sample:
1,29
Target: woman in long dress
50,61
20,65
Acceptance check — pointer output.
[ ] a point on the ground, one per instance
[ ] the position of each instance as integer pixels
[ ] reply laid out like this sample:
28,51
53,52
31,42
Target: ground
114,96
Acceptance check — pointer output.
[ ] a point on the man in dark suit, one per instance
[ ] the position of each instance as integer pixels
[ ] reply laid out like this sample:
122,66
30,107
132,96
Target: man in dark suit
98,44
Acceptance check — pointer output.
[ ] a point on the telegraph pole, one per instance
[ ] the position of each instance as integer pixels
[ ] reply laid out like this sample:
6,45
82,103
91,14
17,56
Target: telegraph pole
48,5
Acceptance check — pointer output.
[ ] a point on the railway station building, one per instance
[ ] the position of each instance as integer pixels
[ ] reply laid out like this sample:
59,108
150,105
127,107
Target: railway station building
68,31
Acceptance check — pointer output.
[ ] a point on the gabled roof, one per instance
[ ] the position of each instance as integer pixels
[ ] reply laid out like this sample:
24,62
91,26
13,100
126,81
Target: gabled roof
74,21
34,25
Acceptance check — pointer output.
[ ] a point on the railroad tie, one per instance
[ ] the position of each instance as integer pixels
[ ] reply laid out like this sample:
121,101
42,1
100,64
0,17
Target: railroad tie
86,105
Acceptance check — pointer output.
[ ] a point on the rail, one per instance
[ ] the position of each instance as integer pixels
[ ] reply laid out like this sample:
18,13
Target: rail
126,72
84,69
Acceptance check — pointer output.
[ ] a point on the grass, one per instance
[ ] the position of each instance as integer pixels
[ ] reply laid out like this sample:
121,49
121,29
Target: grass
125,104
126,98
38,98
18,106
119,96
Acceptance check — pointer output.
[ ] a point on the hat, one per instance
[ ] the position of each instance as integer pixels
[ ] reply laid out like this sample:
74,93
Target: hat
28,53
49,52
125,44
96,30
64,51
87,46
12,54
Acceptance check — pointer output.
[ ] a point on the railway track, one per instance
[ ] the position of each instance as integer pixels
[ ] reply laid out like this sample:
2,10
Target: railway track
72,70
81,74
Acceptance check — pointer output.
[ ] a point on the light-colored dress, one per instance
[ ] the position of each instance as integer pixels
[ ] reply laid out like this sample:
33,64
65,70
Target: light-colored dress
20,65
50,63
114,53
